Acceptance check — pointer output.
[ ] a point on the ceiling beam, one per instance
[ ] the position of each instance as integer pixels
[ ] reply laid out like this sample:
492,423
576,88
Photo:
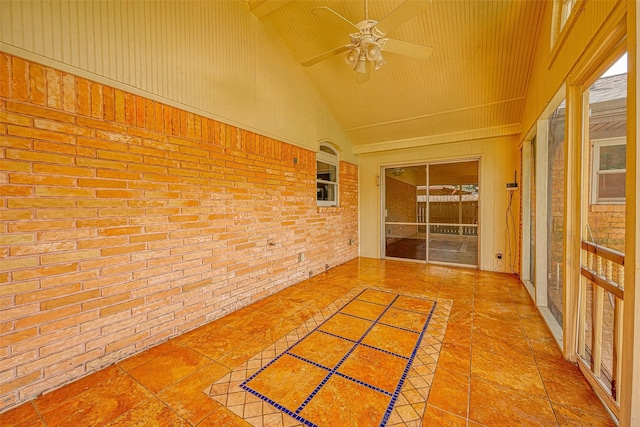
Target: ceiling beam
490,132
439,113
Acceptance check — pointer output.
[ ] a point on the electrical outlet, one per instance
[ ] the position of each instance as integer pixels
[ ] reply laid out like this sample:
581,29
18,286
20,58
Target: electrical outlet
301,257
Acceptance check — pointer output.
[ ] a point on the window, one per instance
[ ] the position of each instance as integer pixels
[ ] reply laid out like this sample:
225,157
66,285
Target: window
609,170
565,10
564,14
327,176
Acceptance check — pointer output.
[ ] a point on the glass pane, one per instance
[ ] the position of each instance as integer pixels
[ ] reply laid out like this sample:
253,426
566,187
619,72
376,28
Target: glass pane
406,202
555,214
532,222
611,185
327,150
401,196
567,5
453,213
469,204
443,204
607,125
326,192
421,209
613,157
606,214
588,330
405,241
326,172
607,338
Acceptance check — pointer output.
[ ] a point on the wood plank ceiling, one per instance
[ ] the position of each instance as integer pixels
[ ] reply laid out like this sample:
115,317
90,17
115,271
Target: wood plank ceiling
472,86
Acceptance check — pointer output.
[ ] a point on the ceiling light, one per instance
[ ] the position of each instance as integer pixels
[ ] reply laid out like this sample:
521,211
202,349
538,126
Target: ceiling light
361,66
352,57
373,52
368,37
397,171
379,62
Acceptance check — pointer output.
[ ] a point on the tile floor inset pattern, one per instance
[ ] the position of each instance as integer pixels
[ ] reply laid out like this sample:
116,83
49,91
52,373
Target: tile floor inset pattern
365,361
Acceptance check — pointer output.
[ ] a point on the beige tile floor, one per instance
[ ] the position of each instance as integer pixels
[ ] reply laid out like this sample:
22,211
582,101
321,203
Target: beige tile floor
367,359
498,365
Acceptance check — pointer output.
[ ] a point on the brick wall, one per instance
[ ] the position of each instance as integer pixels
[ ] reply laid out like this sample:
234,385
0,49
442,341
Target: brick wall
556,217
125,222
606,221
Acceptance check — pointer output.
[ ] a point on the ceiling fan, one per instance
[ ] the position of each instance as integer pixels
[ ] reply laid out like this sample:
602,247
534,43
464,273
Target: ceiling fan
368,38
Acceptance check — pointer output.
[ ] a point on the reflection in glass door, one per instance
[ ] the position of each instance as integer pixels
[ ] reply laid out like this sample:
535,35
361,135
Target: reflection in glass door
453,213
431,213
405,213
556,213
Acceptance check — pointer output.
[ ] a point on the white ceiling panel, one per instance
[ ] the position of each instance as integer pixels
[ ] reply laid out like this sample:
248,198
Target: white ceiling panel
476,78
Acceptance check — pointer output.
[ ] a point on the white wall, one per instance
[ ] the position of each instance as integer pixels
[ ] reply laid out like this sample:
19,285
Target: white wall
498,161
210,57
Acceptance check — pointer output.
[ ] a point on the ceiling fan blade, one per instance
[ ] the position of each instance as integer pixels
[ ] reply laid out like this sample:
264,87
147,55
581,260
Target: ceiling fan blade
364,77
401,14
328,54
334,18
408,49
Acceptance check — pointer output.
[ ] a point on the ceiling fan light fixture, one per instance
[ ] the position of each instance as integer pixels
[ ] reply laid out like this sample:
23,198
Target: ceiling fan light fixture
369,38
373,52
352,57
361,66
379,62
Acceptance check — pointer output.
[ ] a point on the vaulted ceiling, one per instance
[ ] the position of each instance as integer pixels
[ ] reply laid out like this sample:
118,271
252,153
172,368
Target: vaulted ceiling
472,86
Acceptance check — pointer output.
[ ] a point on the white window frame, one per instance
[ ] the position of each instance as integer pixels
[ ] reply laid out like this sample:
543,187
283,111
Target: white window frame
595,170
333,160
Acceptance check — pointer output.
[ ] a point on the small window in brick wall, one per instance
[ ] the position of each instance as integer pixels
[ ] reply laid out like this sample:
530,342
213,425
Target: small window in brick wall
327,166
609,170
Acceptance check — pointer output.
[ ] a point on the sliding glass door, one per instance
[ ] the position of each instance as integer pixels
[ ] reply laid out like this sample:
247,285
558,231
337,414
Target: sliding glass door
431,213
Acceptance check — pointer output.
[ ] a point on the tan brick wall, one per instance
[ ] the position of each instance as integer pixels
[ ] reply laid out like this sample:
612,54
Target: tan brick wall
607,223
556,217
126,222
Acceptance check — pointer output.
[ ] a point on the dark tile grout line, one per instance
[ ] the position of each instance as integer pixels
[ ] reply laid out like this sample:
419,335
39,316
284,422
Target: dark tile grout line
344,358
295,415
365,345
296,343
333,371
180,344
387,413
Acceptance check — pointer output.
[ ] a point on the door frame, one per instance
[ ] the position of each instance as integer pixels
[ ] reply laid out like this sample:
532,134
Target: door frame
426,163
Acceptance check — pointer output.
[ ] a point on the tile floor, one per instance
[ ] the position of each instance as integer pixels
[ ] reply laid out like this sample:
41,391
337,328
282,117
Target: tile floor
498,365
368,358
